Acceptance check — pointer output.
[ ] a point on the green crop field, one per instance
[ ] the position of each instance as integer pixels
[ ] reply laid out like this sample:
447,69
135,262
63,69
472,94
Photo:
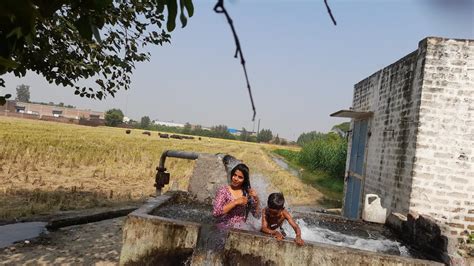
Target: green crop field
47,167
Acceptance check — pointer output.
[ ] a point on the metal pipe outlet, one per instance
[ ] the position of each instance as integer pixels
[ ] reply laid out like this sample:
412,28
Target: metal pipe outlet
162,177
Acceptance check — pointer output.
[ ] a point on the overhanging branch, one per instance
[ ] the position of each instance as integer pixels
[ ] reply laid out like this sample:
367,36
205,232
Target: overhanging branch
220,9
330,13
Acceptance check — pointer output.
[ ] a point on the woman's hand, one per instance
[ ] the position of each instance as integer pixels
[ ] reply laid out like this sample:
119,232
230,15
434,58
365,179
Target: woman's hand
253,194
241,201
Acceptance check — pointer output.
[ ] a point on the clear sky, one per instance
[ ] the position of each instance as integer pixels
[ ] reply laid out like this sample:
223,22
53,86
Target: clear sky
301,67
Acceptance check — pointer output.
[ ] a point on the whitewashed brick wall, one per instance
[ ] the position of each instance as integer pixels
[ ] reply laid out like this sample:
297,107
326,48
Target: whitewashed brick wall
443,173
420,149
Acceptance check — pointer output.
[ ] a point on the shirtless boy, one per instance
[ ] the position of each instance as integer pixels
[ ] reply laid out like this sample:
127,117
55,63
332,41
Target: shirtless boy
273,217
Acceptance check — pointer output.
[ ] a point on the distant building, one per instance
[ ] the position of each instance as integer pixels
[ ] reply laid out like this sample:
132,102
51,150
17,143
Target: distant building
52,113
168,124
52,110
238,132
8,107
234,131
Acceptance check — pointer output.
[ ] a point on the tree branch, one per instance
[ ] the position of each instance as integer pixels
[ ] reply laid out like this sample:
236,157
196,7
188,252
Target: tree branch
330,13
219,8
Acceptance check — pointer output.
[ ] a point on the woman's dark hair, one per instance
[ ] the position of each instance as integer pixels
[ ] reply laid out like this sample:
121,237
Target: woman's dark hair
245,185
245,170
276,201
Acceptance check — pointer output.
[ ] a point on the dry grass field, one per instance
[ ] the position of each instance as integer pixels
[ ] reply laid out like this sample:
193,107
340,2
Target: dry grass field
47,167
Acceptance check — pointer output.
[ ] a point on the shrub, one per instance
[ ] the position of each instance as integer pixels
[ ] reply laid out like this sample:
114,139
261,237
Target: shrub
327,153
292,156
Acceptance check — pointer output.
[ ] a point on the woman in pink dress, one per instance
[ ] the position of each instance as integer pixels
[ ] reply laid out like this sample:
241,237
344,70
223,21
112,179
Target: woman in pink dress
233,202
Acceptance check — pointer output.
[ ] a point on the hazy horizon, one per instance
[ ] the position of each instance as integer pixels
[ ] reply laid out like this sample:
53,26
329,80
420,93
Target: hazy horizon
301,67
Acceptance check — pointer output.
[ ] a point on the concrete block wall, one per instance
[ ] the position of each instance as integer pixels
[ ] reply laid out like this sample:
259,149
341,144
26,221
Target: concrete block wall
393,95
420,146
443,173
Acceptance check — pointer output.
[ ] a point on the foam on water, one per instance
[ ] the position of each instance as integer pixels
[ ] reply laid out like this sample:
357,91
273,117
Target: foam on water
315,233
313,230
326,236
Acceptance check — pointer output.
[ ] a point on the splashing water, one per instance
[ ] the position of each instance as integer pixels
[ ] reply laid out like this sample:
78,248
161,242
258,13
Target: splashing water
316,233
322,235
312,229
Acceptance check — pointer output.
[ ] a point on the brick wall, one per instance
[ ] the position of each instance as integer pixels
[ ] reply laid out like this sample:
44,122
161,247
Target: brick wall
84,122
9,106
443,174
392,94
19,115
47,110
420,146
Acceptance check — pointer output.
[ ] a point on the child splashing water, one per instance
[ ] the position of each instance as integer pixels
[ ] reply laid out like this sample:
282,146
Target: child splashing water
273,217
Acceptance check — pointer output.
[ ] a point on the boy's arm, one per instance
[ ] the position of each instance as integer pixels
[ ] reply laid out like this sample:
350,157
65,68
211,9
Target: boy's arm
265,229
295,226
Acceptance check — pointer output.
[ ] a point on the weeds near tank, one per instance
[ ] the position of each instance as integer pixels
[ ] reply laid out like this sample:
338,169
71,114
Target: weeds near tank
331,187
47,166
324,159
327,153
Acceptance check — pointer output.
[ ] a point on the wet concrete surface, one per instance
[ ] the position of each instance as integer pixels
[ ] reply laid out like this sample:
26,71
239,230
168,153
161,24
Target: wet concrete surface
12,233
96,243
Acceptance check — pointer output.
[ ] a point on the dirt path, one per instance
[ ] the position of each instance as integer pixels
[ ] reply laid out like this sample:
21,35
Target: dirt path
96,243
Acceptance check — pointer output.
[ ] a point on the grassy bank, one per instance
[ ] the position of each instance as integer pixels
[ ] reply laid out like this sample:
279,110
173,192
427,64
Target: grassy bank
332,187
47,166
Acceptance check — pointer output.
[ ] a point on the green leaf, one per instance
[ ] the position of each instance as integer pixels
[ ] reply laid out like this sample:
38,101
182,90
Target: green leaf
95,31
83,25
172,13
8,63
99,95
102,4
183,19
16,31
189,7
160,6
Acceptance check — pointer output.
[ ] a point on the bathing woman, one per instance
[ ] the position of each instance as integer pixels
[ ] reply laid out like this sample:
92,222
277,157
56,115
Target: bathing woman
233,202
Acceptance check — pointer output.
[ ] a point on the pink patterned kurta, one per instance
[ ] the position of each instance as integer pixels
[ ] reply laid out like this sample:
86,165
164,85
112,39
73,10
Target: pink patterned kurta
233,217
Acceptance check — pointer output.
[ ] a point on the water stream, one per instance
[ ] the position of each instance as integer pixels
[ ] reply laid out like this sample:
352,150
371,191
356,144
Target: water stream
280,162
327,201
314,228
12,233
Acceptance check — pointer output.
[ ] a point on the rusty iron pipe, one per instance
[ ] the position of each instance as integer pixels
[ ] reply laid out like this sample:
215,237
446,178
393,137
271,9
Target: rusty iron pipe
162,178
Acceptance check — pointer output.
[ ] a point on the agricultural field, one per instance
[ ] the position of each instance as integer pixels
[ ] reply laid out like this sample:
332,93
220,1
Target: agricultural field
47,167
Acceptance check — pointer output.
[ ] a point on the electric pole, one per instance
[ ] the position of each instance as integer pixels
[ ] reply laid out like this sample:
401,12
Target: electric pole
258,127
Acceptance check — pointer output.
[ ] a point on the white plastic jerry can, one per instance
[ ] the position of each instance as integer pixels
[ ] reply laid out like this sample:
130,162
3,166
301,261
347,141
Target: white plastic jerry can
373,211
